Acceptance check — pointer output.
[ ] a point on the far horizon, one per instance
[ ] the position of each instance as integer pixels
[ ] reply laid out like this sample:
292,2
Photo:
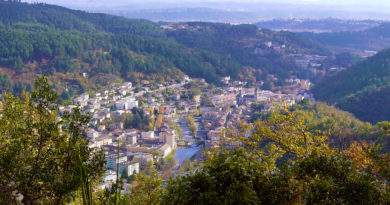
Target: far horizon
250,10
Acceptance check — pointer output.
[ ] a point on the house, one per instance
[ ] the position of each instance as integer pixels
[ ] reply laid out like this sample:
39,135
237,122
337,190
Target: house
94,106
126,103
186,78
143,158
176,97
197,98
147,135
225,80
145,82
169,137
129,168
118,125
164,150
127,85
101,128
92,134
113,160
109,176
123,92
132,139
102,140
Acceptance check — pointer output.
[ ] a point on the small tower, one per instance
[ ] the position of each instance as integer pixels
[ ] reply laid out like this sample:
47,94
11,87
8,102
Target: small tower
256,95
239,98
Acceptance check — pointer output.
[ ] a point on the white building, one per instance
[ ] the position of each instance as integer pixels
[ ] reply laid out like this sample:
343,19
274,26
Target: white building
132,139
147,135
126,103
112,161
92,134
165,150
129,168
82,99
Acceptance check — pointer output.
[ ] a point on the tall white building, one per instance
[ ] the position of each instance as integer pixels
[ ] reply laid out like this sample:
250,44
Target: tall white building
126,103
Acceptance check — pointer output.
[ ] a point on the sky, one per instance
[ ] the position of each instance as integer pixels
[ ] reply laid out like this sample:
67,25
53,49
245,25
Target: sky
129,2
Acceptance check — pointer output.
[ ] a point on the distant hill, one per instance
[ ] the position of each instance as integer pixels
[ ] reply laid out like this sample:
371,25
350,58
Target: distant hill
247,45
65,44
363,89
327,25
187,14
372,39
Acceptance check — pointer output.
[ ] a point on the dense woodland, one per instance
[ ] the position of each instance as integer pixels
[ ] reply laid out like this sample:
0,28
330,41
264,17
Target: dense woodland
63,43
241,41
361,89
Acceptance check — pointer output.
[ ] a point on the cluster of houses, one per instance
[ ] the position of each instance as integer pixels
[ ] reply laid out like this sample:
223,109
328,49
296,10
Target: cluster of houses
233,105
136,147
312,63
130,150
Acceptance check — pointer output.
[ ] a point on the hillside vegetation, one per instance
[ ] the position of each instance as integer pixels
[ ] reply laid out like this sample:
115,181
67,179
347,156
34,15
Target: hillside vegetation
375,38
64,43
362,89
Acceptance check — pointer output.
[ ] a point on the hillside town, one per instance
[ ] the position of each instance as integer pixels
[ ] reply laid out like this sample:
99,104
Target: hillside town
150,123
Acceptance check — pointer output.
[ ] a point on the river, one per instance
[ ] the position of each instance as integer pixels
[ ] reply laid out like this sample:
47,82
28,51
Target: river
183,153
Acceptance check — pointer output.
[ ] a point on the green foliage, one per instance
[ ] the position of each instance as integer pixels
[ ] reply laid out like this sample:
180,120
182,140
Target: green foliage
341,127
240,42
137,120
69,41
375,38
178,131
186,166
281,162
191,124
362,89
147,189
41,154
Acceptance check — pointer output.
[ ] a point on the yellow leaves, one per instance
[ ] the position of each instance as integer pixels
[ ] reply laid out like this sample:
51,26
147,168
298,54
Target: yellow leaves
358,155
151,110
287,131
159,120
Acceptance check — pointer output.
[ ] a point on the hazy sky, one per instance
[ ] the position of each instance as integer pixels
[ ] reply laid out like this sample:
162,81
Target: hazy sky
129,2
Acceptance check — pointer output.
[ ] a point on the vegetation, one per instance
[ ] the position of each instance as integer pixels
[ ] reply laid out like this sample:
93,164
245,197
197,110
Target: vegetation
191,124
283,162
147,189
362,89
241,43
64,44
375,38
44,158
284,158
178,131
138,120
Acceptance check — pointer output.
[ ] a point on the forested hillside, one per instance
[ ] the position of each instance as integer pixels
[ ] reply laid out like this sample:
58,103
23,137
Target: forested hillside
64,43
53,40
248,46
362,89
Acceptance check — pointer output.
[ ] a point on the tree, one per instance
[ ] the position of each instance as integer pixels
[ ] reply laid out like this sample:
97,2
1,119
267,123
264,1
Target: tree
147,188
191,124
186,166
42,153
281,162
